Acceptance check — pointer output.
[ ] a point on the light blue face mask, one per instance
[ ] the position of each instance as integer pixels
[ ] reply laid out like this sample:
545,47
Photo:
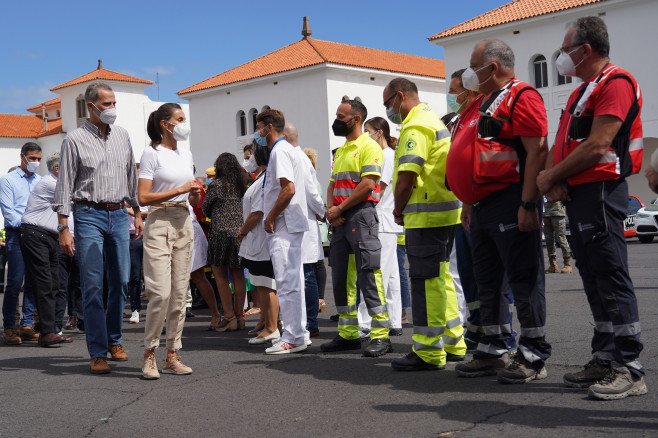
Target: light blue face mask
392,115
208,181
261,141
452,101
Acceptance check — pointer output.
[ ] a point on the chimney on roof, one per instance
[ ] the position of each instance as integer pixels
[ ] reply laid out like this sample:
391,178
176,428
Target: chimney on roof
306,29
100,64
44,116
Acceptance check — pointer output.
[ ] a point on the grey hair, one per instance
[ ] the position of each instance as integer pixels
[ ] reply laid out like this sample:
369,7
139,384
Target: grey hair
91,95
592,31
496,50
52,161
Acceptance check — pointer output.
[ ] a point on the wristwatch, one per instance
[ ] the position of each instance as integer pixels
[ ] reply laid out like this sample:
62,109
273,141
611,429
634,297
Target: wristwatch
61,228
530,206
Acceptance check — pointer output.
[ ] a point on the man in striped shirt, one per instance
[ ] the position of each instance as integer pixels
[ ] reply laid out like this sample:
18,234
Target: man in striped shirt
97,177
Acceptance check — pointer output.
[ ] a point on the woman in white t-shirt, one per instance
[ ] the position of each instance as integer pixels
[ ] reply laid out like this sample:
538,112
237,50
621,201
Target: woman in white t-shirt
166,182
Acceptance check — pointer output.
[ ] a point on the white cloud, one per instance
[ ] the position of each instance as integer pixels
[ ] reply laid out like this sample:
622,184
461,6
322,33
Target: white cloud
15,99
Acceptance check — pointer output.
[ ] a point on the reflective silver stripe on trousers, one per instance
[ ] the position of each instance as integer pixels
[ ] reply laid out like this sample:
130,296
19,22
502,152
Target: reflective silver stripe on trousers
440,135
474,328
346,309
636,144
496,329
371,168
533,332
603,327
348,321
379,324
430,332
453,323
498,156
354,176
409,158
432,207
343,192
529,355
379,310
448,340
631,329
474,305
490,349
438,345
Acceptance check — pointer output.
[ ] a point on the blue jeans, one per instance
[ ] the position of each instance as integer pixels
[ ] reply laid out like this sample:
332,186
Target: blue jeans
96,230
15,277
136,256
311,295
404,279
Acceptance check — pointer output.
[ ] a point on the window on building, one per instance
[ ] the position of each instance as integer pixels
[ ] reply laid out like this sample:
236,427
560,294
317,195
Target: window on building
265,108
242,123
252,118
80,109
559,79
541,71
59,114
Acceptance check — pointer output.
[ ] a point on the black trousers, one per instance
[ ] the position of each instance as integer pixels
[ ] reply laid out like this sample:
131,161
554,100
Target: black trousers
596,216
69,287
39,248
499,248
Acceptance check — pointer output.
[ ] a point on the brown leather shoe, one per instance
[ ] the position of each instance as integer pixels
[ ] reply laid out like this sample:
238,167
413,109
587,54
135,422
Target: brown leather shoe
27,333
53,340
118,354
11,337
99,366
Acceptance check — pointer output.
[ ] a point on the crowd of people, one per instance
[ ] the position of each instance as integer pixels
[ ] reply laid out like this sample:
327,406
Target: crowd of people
461,196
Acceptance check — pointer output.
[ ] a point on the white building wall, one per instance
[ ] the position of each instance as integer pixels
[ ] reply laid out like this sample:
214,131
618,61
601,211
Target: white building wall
544,35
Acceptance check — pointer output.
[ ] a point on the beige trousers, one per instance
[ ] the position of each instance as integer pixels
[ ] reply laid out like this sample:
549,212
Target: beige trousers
168,243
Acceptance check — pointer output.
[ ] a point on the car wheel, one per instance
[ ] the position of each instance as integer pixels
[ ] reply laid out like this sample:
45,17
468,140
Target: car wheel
645,239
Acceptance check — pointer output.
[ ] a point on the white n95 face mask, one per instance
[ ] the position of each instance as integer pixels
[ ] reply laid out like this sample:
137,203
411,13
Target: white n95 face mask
181,131
565,65
107,116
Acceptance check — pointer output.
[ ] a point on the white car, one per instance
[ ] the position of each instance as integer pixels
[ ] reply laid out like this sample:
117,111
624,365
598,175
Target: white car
646,222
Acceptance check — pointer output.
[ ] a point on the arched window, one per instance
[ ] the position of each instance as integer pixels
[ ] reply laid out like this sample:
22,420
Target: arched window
357,98
559,79
541,71
80,109
265,108
346,97
59,114
241,120
252,118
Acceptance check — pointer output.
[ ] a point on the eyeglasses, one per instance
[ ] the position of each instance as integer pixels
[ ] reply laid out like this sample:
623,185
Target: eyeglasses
387,100
567,49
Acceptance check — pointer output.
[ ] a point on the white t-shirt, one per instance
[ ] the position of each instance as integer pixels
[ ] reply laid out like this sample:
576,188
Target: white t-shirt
167,169
283,164
254,245
386,205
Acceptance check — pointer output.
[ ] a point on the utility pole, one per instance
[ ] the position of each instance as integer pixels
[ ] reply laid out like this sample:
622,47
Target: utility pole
157,81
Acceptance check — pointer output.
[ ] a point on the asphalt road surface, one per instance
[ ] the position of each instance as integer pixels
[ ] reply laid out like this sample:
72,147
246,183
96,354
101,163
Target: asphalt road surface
236,390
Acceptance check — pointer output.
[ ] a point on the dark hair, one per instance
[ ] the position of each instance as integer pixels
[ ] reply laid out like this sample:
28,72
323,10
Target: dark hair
228,171
261,155
273,117
91,93
402,84
153,127
458,74
248,147
357,107
30,146
380,124
592,31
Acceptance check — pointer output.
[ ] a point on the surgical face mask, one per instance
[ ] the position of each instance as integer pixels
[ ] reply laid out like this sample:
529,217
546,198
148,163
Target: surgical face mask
341,128
452,101
249,164
470,78
32,166
392,115
261,141
565,65
181,131
208,181
107,116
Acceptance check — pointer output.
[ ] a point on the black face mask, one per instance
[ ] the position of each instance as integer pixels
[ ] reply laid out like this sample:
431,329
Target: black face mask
341,129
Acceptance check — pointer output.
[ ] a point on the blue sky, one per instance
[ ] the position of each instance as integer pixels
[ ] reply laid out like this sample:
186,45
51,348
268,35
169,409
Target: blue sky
46,43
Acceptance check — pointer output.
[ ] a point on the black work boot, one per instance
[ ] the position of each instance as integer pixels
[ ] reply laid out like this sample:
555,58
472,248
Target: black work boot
341,344
378,347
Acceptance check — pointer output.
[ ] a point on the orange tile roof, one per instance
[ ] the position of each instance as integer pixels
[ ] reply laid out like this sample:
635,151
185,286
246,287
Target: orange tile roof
104,74
27,126
309,51
513,11
55,101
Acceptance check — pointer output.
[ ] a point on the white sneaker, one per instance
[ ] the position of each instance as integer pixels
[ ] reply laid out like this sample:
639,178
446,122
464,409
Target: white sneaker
134,318
308,342
283,347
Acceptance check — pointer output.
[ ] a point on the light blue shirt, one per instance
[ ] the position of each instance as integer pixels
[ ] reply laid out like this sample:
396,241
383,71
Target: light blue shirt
39,211
15,188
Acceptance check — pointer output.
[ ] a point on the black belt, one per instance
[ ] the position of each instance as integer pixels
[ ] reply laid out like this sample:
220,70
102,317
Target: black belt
12,229
110,206
40,230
